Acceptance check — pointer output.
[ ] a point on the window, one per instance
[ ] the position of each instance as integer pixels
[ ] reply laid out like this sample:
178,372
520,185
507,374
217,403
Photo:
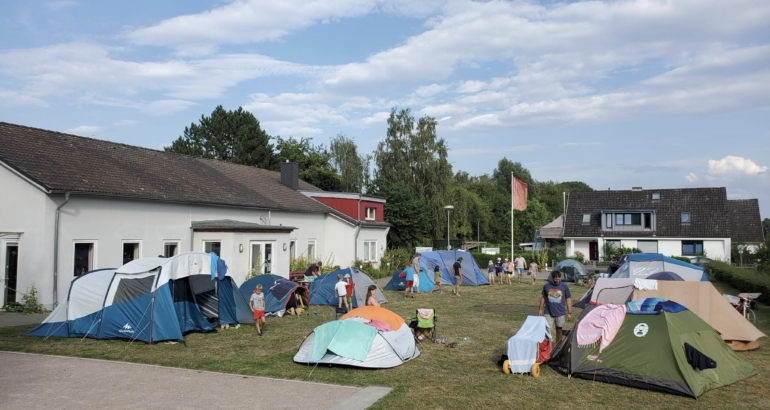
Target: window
647,246
618,219
84,258
370,213
609,220
170,249
692,248
656,196
130,251
311,249
685,217
586,218
212,246
292,250
370,251
647,221
261,257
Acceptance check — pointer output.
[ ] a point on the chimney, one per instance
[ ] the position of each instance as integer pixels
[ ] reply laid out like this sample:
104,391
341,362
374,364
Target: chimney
290,174
636,188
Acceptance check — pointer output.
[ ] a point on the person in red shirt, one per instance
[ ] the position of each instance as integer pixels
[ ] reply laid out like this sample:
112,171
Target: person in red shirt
349,290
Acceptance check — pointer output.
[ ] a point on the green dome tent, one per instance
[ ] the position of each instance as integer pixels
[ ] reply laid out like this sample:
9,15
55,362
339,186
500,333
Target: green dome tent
649,352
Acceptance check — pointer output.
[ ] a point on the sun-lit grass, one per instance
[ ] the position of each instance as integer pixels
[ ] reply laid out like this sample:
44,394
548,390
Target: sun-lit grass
462,377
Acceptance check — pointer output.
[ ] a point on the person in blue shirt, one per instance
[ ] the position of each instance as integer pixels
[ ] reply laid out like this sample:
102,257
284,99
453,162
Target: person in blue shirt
556,304
409,281
491,272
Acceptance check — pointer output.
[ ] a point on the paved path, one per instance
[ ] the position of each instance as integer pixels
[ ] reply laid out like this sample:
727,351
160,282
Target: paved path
31,381
8,319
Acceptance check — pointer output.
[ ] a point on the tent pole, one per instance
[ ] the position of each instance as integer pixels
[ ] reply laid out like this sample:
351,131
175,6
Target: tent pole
513,206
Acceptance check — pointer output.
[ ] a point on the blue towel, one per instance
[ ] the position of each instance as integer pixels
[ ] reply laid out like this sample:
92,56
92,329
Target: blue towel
221,268
214,262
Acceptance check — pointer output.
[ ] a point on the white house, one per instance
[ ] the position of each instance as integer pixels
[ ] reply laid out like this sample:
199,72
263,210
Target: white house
71,204
674,222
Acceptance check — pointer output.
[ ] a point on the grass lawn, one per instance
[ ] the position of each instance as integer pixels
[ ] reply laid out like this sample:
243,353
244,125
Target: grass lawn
463,377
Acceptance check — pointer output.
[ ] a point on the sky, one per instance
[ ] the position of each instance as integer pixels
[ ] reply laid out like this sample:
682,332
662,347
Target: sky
617,94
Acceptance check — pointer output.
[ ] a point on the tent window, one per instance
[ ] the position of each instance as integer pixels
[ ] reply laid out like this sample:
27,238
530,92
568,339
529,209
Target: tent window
132,288
130,251
692,248
215,247
84,258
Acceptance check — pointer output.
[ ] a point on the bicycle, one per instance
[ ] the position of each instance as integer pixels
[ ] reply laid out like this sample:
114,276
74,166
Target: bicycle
744,304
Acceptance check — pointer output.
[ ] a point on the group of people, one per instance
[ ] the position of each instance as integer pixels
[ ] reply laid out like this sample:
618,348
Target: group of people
412,277
505,270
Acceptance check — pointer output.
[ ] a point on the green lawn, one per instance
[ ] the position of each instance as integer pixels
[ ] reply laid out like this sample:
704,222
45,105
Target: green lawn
462,377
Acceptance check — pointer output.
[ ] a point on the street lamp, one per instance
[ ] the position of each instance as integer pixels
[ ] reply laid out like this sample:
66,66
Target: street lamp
478,233
448,208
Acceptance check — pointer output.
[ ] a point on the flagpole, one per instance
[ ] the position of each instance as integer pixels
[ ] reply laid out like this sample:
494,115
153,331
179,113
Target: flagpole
513,207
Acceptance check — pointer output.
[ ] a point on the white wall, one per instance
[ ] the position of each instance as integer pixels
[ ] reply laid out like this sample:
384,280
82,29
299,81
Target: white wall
715,249
581,246
369,234
628,243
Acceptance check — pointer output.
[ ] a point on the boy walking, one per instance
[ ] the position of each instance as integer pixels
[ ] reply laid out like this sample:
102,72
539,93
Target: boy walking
257,305
341,291
409,272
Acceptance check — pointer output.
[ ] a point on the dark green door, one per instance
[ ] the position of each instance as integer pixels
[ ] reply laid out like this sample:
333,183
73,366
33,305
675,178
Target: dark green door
11,265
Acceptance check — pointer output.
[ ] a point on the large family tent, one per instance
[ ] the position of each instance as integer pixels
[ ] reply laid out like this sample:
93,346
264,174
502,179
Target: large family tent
472,275
277,289
398,281
148,299
642,265
371,337
322,288
650,351
570,270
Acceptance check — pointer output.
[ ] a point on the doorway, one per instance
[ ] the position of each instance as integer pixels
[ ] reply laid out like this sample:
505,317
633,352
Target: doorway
593,251
11,269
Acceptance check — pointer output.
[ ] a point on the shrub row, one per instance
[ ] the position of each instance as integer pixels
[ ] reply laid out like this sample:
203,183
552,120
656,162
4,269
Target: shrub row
744,280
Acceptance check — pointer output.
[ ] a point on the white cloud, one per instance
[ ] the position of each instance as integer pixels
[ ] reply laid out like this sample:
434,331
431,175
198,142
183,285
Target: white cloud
84,130
378,117
166,107
12,98
472,86
429,90
292,114
734,165
691,177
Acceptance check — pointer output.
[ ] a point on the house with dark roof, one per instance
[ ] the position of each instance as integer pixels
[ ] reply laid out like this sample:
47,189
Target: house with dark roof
71,204
674,222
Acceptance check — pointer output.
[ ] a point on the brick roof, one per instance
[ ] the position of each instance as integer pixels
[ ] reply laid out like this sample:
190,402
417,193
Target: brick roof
62,162
711,213
745,220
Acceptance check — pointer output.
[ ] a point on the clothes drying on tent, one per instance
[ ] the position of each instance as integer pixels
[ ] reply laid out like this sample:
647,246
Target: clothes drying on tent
147,299
653,328
352,342
322,288
398,281
530,345
471,274
642,265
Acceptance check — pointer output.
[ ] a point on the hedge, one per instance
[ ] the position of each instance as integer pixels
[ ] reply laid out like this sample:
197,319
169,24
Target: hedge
748,281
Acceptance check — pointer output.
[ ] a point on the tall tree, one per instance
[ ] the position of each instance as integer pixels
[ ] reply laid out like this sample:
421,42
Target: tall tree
314,162
232,136
550,194
353,169
413,155
502,176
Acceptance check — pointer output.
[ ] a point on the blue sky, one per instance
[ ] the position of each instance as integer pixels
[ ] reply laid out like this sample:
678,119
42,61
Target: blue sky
616,94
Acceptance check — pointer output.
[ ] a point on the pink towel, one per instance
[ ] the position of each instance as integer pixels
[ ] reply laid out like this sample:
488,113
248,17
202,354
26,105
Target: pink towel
425,313
602,323
379,325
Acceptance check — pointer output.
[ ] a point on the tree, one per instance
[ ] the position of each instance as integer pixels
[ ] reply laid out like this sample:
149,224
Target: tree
766,225
550,194
232,136
314,162
502,176
353,169
405,212
412,155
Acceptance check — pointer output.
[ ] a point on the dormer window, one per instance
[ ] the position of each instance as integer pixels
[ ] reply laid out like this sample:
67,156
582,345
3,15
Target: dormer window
370,213
685,217
656,196
586,218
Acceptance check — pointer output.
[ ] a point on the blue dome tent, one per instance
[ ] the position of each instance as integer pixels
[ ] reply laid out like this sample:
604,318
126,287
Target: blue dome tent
472,275
398,281
277,290
642,265
322,288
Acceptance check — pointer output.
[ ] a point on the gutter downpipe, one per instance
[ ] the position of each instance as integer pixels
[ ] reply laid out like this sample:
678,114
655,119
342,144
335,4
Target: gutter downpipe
56,251
358,230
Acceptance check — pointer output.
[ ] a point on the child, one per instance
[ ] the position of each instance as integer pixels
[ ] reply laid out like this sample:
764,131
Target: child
370,299
341,292
349,290
257,305
533,271
436,280
409,280
416,270
491,272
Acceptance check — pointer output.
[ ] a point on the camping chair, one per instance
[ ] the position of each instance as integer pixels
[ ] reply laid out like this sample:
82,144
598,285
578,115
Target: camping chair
424,325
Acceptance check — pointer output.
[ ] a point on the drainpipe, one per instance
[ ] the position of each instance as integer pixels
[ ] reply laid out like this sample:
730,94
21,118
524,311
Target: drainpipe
56,251
358,230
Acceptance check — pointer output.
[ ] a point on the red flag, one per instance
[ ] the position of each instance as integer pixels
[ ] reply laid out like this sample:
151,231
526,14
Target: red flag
518,194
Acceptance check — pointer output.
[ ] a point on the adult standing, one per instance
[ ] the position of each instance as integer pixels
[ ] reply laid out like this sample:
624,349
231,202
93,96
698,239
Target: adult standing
416,269
314,269
458,271
556,304
521,264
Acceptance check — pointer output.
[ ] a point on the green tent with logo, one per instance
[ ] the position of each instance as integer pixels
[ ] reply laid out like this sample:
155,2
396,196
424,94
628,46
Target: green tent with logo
657,347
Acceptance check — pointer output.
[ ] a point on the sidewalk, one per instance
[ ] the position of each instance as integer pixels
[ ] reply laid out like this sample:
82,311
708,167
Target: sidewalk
8,319
42,382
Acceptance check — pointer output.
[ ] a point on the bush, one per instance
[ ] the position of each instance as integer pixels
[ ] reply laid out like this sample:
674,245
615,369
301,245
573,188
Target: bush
29,303
681,258
396,258
301,263
578,256
742,279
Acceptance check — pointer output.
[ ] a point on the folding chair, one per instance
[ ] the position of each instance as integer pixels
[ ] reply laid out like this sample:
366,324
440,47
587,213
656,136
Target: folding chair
424,325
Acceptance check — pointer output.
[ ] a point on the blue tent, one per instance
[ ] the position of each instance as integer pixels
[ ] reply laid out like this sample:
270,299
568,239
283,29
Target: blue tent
472,275
398,281
272,304
322,288
148,299
642,265
665,276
